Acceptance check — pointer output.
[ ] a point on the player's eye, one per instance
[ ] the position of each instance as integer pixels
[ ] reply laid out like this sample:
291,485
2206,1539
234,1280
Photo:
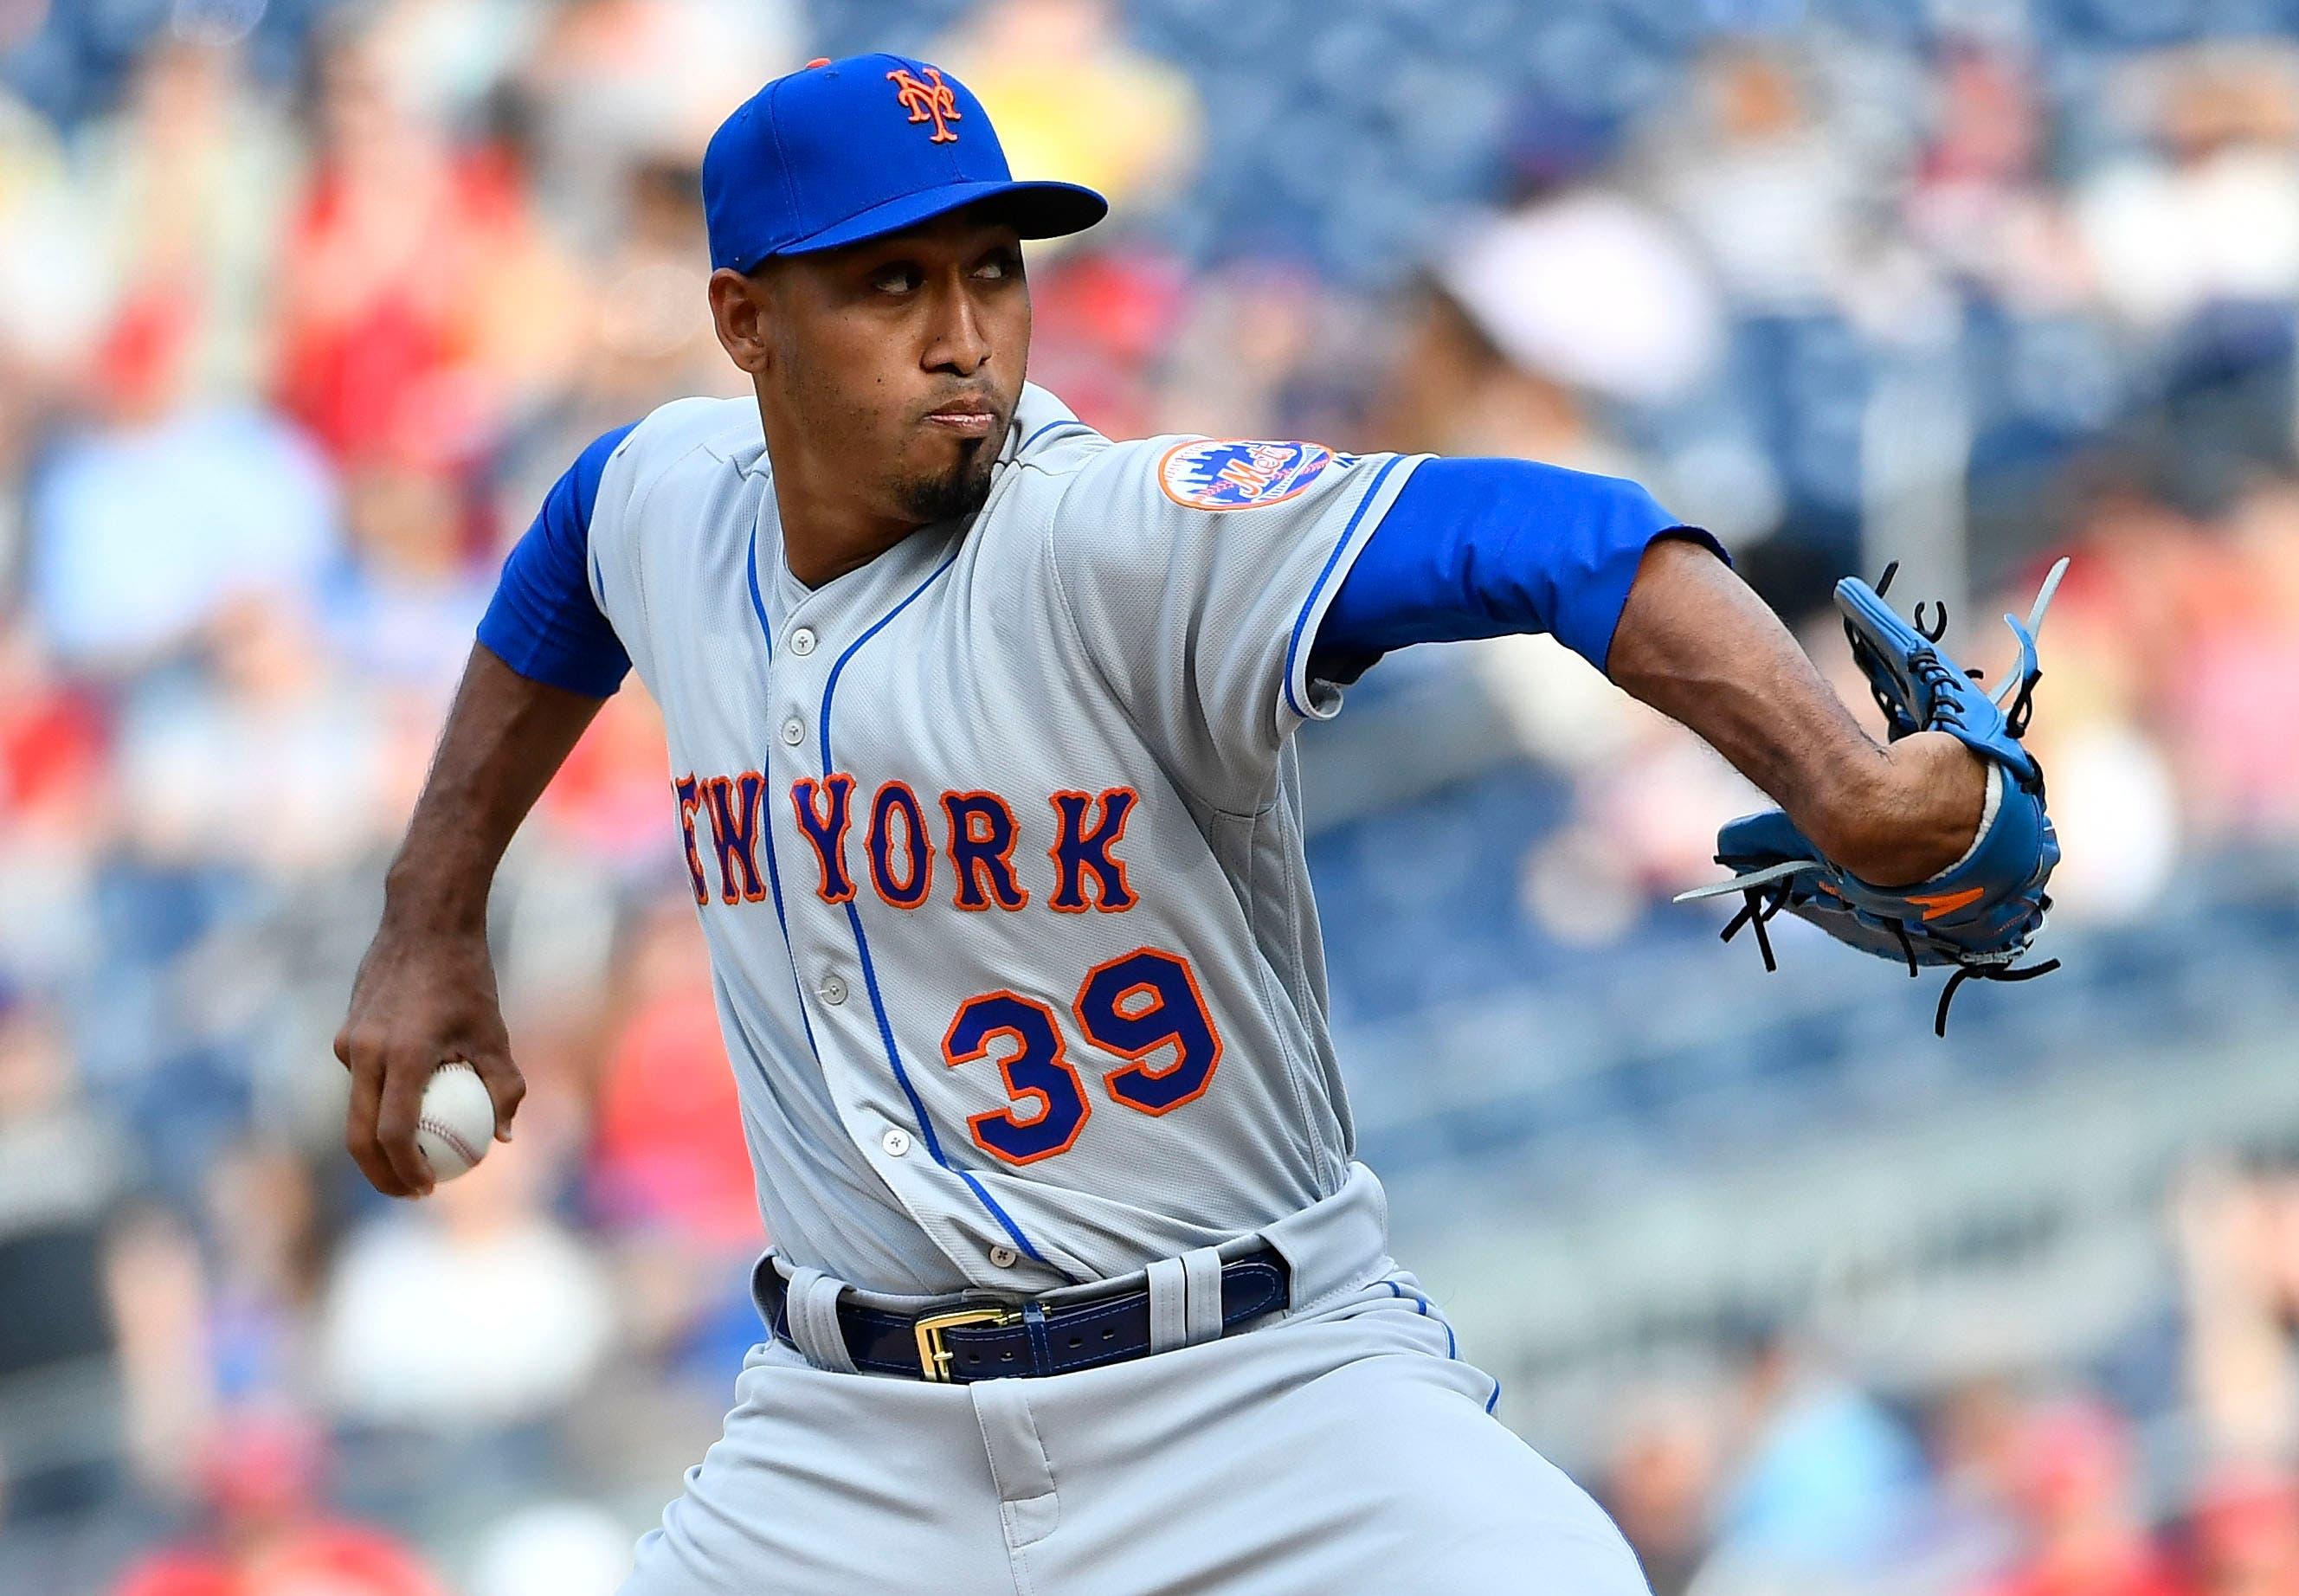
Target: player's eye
999,265
898,277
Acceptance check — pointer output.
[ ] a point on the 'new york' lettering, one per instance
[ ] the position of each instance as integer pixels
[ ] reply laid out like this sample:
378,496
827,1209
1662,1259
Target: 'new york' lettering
977,838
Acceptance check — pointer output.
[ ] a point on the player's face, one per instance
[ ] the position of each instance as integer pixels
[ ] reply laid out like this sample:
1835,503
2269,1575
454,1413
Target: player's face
902,359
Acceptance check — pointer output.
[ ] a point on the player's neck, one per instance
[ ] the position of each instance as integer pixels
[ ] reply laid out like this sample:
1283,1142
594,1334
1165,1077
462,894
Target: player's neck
828,528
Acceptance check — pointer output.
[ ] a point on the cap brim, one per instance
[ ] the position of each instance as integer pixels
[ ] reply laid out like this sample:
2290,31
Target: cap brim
1038,210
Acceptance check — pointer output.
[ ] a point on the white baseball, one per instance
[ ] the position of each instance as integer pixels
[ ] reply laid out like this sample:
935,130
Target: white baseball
457,1121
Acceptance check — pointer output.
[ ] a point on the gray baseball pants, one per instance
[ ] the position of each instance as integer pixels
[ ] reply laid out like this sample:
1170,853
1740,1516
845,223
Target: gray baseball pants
1339,1447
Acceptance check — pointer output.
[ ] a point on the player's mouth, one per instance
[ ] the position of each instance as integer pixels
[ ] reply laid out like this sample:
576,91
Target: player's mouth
963,419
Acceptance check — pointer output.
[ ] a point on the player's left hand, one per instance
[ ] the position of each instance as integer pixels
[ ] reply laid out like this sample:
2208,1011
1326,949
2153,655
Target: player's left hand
1978,916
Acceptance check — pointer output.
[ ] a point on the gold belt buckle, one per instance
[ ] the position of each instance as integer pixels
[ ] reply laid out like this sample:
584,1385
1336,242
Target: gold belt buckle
934,1358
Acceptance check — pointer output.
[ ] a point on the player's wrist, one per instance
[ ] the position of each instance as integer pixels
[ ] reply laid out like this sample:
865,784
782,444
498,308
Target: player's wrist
420,901
1920,812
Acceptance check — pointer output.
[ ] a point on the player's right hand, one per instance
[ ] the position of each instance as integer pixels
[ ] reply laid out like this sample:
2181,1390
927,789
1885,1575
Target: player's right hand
419,999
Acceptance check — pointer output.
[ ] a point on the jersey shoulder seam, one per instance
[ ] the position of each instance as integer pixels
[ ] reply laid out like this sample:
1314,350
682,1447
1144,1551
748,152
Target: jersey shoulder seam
1093,450
642,492
647,476
1070,455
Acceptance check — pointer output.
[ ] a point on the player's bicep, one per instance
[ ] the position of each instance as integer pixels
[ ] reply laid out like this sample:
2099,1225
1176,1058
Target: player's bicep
545,620
1485,548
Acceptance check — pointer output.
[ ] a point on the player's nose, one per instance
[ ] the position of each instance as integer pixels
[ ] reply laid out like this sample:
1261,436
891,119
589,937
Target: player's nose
959,342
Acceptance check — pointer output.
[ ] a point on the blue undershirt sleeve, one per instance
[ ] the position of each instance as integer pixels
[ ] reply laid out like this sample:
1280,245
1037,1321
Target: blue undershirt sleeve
1483,548
544,622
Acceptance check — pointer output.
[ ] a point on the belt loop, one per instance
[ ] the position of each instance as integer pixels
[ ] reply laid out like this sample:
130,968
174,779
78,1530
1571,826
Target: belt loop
1202,1268
1168,1306
812,1301
764,1279
1034,1326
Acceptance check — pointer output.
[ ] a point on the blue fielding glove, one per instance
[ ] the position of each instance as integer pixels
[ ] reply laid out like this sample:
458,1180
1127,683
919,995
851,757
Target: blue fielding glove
1981,914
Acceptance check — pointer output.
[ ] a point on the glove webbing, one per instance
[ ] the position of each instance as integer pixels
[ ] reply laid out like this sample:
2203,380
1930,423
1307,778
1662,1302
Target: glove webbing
1762,904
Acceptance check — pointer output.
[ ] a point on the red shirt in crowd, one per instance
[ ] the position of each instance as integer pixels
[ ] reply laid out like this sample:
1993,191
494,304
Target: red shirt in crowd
321,1559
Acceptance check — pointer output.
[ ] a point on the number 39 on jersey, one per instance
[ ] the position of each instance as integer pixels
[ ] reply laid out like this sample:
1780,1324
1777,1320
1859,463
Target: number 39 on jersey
1144,1007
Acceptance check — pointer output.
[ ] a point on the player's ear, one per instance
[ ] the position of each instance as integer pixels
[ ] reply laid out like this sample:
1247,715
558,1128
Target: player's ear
741,312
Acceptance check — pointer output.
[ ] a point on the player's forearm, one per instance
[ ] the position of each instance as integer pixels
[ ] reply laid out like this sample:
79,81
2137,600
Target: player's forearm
505,737
1697,644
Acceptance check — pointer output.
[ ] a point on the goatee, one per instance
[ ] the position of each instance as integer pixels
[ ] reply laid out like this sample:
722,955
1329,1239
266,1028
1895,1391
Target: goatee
957,492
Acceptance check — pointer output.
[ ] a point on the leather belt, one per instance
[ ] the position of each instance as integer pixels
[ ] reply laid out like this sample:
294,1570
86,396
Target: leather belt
989,1340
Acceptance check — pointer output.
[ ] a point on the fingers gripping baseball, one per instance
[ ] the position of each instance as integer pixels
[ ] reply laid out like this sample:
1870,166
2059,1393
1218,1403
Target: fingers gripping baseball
361,1114
417,1003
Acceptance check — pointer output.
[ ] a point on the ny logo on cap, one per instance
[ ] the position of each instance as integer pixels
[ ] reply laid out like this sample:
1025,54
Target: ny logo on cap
935,102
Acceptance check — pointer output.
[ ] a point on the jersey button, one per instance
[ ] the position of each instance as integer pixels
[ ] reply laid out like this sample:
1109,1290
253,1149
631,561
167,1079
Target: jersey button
832,990
792,732
1004,1257
802,641
896,1141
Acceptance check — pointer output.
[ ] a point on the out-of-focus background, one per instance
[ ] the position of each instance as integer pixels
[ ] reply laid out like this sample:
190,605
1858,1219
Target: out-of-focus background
302,302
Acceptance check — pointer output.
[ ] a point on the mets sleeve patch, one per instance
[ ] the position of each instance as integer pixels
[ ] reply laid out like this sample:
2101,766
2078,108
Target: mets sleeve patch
1209,474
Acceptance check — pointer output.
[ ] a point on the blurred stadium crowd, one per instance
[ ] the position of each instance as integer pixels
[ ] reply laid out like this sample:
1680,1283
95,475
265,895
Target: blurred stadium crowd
302,302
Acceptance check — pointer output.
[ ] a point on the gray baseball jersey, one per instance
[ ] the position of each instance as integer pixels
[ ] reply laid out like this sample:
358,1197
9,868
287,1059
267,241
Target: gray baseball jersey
996,842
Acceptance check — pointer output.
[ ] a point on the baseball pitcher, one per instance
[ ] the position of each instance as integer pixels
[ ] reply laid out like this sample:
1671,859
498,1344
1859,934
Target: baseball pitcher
980,754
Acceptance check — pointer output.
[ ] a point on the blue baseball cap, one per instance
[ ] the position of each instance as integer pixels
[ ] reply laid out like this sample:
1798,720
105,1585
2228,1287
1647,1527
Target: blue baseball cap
854,149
